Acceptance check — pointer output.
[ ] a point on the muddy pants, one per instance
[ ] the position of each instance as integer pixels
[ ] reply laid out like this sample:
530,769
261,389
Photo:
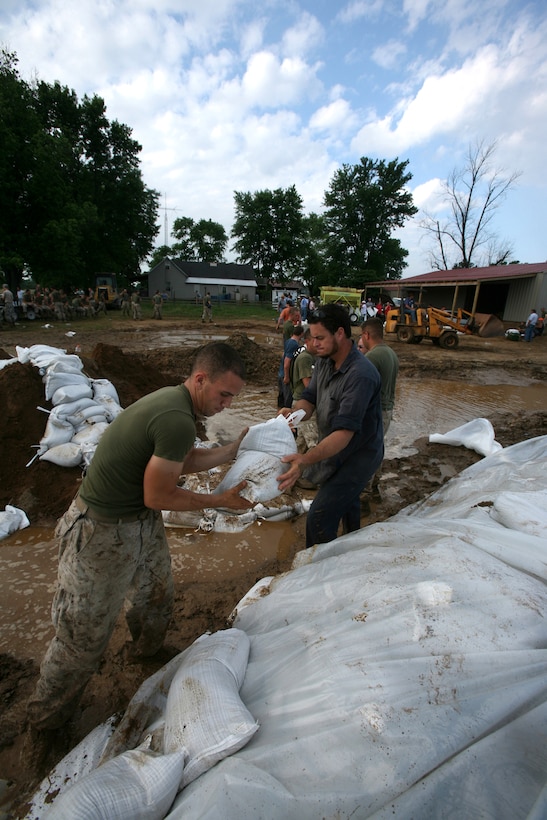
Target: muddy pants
101,566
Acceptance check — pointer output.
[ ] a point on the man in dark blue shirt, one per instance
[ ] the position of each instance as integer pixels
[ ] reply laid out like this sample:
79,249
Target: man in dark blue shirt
345,394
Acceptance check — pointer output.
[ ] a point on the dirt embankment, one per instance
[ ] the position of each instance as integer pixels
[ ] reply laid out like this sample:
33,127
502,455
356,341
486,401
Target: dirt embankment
139,359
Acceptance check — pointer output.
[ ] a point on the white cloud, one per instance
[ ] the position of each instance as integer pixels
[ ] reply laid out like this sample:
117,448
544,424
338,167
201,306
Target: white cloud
387,55
335,118
358,9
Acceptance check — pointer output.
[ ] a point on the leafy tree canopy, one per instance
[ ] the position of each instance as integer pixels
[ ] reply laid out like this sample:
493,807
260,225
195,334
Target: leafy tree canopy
365,203
269,230
72,198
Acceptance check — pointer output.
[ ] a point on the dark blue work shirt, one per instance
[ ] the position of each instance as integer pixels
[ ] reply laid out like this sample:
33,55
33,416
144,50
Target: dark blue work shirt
346,399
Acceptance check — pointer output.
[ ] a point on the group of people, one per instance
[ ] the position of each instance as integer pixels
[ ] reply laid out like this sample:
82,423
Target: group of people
136,472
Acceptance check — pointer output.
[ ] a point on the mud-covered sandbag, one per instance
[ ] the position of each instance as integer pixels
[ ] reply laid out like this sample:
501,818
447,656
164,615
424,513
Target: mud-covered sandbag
103,388
71,410
205,714
259,457
90,434
136,785
111,408
64,455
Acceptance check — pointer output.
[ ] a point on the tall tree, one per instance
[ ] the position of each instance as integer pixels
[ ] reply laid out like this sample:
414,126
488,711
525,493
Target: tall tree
471,195
270,232
73,199
365,203
203,241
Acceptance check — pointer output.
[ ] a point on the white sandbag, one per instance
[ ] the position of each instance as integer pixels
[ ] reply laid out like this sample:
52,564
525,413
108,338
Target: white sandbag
136,785
72,392
55,380
23,354
67,364
204,712
65,455
80,761
58,431
259,456
273,436
89,435
70,410
259,470
5,362
476,435
103,388
11,520
111,407
86,412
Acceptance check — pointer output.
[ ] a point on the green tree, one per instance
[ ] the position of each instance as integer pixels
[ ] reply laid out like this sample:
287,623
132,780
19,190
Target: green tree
270,231
365,203
18,122
72,196
314,265
203,241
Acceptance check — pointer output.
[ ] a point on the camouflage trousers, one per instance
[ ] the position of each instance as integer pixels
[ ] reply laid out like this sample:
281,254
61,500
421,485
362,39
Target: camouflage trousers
101,567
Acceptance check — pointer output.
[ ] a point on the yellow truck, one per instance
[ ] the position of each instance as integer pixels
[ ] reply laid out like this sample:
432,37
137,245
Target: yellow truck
351,298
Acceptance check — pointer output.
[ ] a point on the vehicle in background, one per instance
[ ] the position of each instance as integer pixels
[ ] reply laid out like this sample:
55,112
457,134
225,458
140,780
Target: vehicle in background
351,298
106,288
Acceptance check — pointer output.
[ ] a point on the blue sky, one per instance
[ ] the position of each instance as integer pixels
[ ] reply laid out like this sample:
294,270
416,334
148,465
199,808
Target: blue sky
236,95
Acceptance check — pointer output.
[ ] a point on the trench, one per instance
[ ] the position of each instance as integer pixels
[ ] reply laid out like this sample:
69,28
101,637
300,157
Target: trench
28,559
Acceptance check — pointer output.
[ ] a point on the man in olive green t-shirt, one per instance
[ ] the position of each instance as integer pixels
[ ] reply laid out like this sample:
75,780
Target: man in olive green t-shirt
112,541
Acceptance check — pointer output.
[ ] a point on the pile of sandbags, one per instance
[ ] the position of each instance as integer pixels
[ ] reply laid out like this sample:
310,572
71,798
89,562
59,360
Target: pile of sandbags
82,407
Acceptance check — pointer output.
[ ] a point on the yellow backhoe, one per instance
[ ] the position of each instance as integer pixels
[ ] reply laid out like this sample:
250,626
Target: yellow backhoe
441,326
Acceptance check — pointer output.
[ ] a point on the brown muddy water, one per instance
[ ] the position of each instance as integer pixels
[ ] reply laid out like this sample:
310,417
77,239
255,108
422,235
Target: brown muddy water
28,559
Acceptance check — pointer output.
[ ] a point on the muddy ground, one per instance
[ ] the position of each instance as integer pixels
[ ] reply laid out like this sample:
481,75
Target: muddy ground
137,358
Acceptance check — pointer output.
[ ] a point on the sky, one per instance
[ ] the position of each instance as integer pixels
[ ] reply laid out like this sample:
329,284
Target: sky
240,95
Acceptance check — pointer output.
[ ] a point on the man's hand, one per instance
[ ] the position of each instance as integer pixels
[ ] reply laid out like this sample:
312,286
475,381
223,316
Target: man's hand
232,500
288,479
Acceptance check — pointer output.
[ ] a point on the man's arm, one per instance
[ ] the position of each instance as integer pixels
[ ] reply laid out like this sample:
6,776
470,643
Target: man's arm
203,458
162,493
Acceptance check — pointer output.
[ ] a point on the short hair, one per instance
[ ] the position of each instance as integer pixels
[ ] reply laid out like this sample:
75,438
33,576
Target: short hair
374,326
298,330
332,317
217,358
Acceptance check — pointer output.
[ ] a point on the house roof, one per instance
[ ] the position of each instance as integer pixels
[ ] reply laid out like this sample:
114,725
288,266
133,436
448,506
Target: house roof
468,276
203,280
215,271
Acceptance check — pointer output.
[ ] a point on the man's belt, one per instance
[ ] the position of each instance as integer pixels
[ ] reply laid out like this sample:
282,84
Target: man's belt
105,519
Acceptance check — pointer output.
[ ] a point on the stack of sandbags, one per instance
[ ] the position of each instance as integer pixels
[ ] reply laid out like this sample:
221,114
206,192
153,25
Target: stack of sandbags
82,407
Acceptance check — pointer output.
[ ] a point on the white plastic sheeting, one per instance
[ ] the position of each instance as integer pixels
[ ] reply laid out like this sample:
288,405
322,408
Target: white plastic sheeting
477,435
400,671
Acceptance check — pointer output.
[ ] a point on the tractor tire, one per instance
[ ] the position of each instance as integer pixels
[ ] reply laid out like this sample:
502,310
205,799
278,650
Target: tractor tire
448,340
405,334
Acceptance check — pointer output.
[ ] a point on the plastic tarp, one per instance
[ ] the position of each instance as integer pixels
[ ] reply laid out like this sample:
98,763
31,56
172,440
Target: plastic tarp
401,671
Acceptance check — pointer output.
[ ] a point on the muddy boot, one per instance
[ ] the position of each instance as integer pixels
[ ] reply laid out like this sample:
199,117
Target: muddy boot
43,748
